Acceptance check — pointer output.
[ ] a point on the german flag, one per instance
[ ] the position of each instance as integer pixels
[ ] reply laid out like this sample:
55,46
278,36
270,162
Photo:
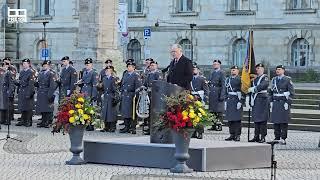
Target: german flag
248,67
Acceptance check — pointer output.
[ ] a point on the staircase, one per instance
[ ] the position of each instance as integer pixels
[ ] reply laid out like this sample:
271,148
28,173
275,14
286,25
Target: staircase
305,112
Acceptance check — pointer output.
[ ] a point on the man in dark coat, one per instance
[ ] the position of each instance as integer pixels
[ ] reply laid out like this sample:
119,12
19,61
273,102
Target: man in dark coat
68,78
153,75
260,104
109,112
26,93
88,84
129,84
11,80
199,88
46,86
234,103
217,93
281,96
180,70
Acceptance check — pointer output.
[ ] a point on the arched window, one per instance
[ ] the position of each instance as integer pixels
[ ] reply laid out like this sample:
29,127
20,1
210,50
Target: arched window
134,50
186,47
300,52
239,52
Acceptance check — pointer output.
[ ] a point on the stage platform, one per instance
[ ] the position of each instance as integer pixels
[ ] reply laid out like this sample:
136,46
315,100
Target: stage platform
205,155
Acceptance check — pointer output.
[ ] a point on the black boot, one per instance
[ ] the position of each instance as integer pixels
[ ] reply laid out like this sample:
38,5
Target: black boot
236,138
113,127
255,139
126,127
199,135
262,140
133,125
230,138
106,127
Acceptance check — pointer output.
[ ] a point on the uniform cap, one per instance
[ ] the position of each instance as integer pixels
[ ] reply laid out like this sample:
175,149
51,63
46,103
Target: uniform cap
108,61
153,62
149,59
6,59
48,62
234,67
131,63
26,60
88,61
217,60
65,58
110,67
129,60
280,66
259,65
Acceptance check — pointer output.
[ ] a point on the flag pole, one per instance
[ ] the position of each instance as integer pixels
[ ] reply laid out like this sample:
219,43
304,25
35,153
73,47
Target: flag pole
250,59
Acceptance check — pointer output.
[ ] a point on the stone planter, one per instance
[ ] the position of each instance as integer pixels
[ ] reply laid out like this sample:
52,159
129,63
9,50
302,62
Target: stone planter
76,139
182,141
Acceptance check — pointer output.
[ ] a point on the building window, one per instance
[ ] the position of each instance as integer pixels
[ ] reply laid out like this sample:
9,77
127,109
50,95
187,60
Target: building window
43,7
134,50
299,4
239,5
135,6
239,52
185,5
300,52
186,47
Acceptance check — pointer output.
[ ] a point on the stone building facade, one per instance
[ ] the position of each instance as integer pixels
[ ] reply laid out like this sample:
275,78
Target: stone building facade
285,31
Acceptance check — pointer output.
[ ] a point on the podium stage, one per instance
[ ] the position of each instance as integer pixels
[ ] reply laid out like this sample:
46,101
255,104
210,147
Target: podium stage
205,155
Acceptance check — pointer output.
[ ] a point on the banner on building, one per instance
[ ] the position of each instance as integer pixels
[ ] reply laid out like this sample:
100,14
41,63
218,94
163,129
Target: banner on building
122,18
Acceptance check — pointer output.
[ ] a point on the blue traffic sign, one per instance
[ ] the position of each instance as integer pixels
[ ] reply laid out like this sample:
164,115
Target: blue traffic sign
147,32
45,52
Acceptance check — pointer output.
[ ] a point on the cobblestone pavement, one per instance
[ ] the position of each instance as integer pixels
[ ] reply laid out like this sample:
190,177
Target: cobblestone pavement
42,155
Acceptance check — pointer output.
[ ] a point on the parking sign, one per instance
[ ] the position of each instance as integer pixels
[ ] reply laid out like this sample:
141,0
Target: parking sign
147,33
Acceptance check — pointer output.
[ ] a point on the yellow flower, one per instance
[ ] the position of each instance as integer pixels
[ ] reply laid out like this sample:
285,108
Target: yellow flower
200,115
86,116
192,115
71,111
198,103
71,120
190,107
80,99
197,119
202,111
190,97
80,111
191,110
184,113
78,106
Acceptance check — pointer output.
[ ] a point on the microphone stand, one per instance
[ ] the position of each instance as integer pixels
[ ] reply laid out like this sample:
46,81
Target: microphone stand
273,167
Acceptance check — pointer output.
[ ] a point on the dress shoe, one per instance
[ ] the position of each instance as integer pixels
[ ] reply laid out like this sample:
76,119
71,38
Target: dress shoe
283,142
133,131
104,130
112,130
124,130
237,138
199,136
146,132
230,138
90,128
255,139
20,123
213,128
262,140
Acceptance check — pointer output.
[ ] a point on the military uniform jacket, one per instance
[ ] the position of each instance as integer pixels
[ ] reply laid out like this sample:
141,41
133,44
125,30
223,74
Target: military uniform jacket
217,91
26,90
8,87
198,83
260,99
129,83
68,78
45,91
3,96
109,111
234,96
90,80
151,76
279,86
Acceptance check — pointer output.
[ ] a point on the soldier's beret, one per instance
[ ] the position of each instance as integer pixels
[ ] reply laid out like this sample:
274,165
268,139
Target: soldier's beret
259,65
153,62
217,60
280,66
108,61
131,63
26,60
234,67
149,59
195,65
129,60
48,62
88,61
6,59
65,58
110,67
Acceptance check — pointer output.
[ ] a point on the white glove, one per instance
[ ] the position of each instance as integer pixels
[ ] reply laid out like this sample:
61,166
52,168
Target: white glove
225,105
286,106
251,89
286,94
68,92
271,105
239,105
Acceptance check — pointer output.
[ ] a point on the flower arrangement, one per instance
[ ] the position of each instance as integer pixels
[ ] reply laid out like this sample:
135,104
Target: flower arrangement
74,110
185,111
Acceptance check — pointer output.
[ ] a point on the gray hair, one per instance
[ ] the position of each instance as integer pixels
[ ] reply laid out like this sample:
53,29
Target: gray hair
176,46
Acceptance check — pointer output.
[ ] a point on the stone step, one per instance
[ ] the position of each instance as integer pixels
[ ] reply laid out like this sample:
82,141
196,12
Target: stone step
307,91
307,96
306,101
305,106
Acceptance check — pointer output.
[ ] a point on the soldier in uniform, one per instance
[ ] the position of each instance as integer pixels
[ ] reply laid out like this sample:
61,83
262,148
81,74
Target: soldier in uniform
281,95
153,75
260,104
102,73
26,93
234,103
89,83
3,97
68,78
46,87
109,112
200,89
129,84
217,93
12,75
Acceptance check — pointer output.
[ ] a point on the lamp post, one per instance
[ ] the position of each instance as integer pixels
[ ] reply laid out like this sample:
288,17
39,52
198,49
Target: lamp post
192,25
44,36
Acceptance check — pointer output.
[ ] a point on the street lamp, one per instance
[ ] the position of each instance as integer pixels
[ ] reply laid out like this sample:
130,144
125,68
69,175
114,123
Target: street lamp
192,25
44,36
